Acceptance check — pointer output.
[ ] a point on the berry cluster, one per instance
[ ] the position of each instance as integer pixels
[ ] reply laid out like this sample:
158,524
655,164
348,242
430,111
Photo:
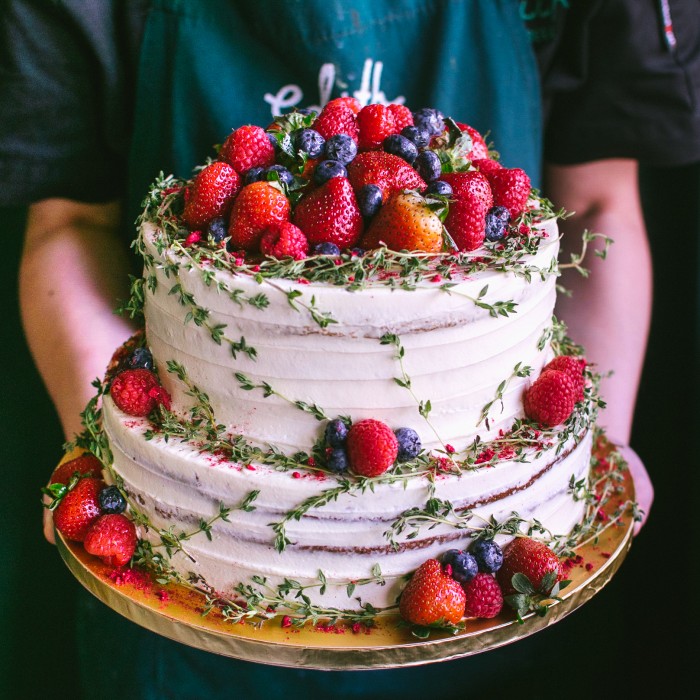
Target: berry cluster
135,389
353,177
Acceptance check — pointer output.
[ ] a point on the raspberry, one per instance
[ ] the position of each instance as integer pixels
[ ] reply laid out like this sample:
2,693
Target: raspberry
550,400
247,147
284,240
484,596
372,447
111,537
573,367
375,122
137,392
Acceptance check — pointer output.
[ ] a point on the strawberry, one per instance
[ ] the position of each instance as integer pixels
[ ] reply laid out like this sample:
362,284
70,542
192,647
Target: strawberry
112,537
372,447
211,194
348,101
479,147
551,398
486,165
573,367
389,172
484,596
85,465
374,122
466,219
403,116
329,214
137,392
247,147
534,559
407,222
284,240
432,597
511,189
257,207
78,509
336,118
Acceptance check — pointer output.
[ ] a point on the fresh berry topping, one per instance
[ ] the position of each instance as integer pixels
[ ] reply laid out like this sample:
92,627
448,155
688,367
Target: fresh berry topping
400,146
428,165
484,598
463,564
511,189
336,433
111,537
497,219
338,460
336,118
389,172
137,392
111,500
329,214
409,444
85,465
488,555
551,398
341,148
257,207
419,137
248,147
327,169
211,194
326,249
140,358
283,174
466,219
375,122
352,102
369,199
533,559
432,597
217,230
479,148
486,165
78,509
439,187
573,367
256,174
309,141
430,120
284,240
403,116
372,447
358,252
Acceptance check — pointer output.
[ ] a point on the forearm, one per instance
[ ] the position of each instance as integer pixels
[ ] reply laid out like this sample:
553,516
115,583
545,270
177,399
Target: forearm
72,272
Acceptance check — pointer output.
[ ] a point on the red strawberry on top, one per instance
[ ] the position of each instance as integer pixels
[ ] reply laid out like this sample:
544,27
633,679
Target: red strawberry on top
137,392
336,118
85,465
348,101
329,214
257,207
572,366
375,122
112,537
484,596
284,240
389,172
511,189
486,165
479,147
372,447
472,198
78,509
247,147
534,559
403,116
432,597
551,398
211,194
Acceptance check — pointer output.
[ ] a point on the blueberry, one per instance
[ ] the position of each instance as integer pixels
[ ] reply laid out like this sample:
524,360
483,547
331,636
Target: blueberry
464,566
309,141
328,169
335,434
140,358
285,177
305,110
254,175
338,460
111,500
358,252
419,137
428,165
430,119
326,249
439,187
497,219
400,146
369,200
275,143
488,555
340,147
409,444
217,229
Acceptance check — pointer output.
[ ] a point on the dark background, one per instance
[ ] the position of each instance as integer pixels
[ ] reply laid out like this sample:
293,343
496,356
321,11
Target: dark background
631,632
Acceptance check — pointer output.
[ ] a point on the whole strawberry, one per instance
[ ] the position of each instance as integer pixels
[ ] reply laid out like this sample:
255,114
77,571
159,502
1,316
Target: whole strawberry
284,240
372,447
137,392
385,170
484,598
405,222
486,165
432,597
511,189
211,194
85,465
529,557
78,509
257,207
375,122
111,537
330,214
551,398
337,117
472,199
247,147
573,367
403,116
479,147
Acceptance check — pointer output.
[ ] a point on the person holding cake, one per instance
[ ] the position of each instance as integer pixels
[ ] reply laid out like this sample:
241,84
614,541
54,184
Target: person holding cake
167,81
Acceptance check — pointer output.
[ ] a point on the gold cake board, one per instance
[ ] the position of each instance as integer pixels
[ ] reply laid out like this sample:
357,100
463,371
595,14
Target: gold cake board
176,612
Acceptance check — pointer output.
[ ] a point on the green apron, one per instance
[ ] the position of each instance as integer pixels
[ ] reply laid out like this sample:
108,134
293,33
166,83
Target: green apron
210,66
